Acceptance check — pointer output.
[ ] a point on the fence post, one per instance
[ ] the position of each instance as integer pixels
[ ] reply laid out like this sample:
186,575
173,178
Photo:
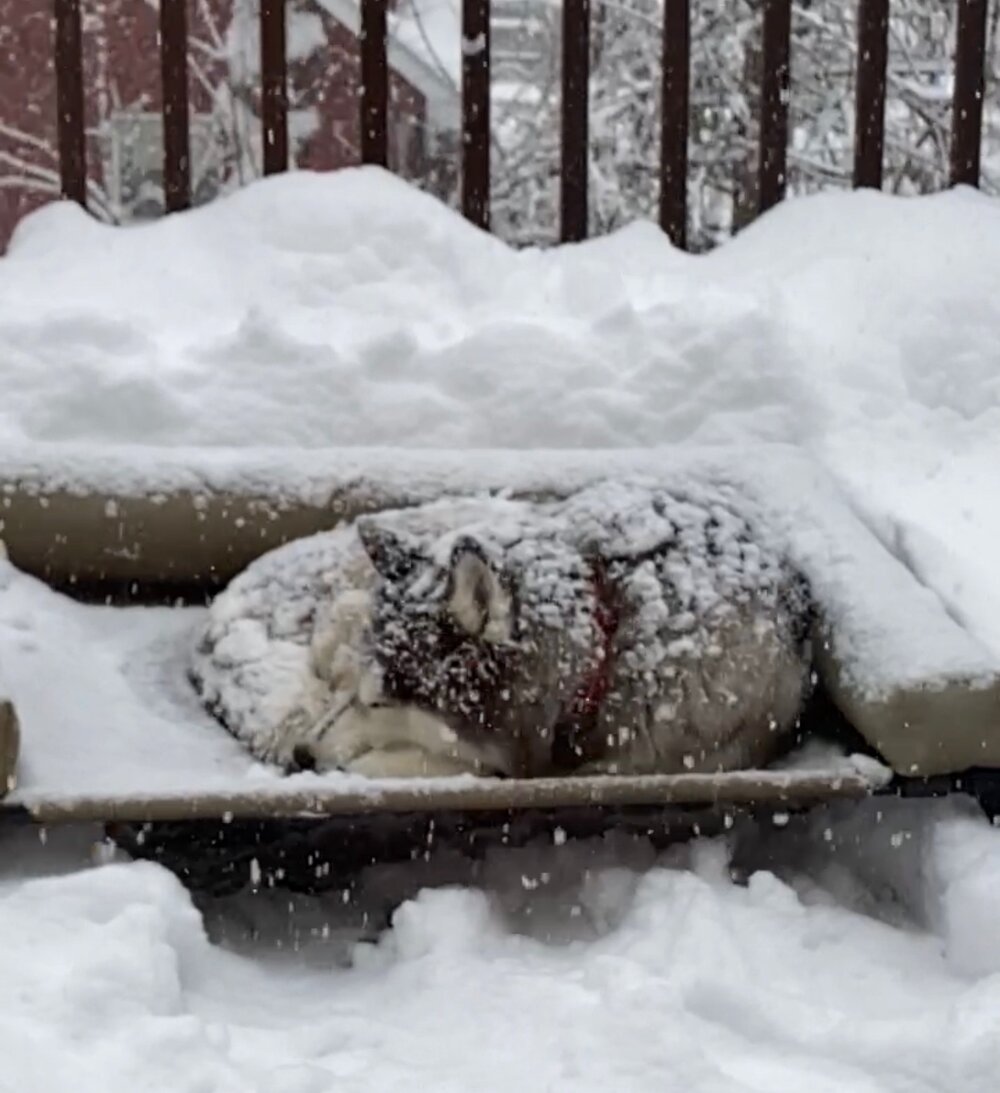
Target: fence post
374,84
573,199
970,86
476,111
674,119
869,117
68,53
176,131
774,87
274,86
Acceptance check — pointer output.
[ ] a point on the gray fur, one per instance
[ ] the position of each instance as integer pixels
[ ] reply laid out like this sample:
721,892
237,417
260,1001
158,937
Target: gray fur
496,631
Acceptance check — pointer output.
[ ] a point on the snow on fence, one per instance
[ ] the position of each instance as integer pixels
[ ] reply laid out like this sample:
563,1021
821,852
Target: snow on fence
873,22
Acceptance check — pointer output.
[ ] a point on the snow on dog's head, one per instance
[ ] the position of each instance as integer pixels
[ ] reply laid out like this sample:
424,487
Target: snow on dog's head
429,609
490,626
565,632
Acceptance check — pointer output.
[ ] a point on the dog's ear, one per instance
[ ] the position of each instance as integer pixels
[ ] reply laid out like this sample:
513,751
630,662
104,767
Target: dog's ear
392,556
477,598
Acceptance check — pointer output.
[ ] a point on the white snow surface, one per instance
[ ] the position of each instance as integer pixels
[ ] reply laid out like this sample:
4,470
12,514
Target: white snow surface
837,359
839,968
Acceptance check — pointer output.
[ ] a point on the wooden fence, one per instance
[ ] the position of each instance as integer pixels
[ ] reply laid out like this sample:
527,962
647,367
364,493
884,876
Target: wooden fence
873,22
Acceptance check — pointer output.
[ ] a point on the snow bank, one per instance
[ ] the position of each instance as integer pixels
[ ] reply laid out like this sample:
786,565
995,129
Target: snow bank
606,969
350,309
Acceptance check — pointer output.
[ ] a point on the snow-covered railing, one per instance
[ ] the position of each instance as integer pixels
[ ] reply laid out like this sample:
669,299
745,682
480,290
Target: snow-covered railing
773,105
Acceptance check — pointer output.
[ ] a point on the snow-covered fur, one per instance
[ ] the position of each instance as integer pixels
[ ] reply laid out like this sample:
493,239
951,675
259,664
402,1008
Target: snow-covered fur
341,726
277,659
629,629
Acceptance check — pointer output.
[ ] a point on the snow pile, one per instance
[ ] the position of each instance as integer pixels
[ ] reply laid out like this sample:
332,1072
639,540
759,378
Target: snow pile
607,969
350,309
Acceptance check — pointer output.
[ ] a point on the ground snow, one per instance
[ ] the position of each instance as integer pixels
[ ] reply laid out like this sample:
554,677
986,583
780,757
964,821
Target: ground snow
588,968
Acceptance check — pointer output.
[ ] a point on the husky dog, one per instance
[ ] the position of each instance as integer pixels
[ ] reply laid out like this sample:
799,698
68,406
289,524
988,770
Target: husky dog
627,629
338,722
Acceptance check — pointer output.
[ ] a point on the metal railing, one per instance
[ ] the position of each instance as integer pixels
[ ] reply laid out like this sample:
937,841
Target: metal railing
870,96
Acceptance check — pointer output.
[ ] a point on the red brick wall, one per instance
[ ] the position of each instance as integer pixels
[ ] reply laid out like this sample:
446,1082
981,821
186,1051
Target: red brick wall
121,67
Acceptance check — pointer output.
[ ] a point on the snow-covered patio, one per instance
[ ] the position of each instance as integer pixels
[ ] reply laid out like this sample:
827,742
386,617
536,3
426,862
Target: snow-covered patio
840,356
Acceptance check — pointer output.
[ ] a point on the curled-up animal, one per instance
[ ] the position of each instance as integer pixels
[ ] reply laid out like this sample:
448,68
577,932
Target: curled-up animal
626,629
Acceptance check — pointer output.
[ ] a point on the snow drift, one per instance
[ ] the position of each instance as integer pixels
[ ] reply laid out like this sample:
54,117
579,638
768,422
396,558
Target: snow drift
608,968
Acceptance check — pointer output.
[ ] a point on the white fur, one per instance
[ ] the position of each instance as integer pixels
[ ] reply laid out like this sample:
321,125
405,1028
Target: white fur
344,729
397,741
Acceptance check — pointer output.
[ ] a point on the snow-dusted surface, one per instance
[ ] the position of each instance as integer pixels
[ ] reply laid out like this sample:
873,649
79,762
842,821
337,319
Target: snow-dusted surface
102,696
871,967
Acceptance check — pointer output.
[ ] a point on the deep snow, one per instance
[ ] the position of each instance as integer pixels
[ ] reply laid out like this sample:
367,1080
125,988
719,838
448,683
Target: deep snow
875,969
858,332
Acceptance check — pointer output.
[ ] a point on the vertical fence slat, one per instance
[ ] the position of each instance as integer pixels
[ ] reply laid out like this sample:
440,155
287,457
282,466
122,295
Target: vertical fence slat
967,109
176,133
774,83
374,84
274,86
573,202
476,111
68,55
869,117
674,119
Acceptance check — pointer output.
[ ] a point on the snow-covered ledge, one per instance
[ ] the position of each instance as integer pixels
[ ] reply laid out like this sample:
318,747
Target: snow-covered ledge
188,515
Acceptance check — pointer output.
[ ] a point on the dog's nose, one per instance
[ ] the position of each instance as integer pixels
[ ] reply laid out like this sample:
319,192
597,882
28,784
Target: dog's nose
303,758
